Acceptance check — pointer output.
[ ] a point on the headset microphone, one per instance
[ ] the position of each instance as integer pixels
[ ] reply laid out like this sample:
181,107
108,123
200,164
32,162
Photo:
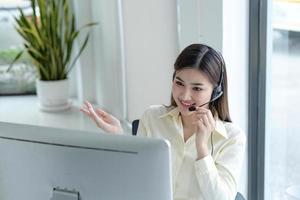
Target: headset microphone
193,107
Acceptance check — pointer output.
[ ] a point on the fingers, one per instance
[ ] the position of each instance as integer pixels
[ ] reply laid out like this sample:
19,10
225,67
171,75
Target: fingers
88,108
97,110
90,112
205,117
84,107
85,111
101,112
103,120
88,105
94,116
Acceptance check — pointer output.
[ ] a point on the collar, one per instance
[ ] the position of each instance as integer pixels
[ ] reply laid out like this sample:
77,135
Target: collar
172,112
220,127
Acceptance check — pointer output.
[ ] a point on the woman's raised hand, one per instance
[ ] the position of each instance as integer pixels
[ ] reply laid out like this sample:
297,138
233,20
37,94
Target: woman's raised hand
205,123
103,120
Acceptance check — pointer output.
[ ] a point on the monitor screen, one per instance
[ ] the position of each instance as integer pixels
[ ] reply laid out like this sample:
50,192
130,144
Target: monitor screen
48,163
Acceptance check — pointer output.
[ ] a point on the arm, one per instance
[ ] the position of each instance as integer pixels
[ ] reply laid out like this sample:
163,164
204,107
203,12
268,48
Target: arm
142,128
218,179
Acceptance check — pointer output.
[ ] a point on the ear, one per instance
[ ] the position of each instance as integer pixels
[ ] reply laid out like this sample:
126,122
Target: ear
217,93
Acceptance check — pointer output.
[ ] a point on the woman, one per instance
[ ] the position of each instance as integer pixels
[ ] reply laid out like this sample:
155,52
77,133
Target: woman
207,148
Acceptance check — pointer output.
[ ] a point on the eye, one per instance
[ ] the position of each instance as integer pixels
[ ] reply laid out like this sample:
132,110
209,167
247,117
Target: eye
197,89
179,83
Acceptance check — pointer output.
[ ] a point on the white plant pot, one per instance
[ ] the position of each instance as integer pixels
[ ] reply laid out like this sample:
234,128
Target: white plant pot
53,95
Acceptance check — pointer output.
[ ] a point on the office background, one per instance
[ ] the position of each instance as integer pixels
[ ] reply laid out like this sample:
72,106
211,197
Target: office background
128,63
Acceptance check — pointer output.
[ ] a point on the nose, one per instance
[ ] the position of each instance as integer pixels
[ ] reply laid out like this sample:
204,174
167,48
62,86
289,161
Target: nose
186,94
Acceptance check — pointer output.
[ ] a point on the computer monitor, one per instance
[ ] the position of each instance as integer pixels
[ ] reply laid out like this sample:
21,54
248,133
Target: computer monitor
41,163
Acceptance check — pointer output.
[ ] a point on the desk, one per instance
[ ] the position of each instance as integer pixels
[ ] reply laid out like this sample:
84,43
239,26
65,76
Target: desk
25,110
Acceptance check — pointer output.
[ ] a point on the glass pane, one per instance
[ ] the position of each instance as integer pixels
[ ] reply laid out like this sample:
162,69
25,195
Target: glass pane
21,78
283,130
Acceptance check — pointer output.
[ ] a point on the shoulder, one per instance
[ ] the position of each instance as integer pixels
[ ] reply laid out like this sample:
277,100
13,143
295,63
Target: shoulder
155,111
151,118
235,132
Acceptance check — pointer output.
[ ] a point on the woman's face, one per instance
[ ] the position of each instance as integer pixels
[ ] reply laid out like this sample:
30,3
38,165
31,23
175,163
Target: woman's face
191,86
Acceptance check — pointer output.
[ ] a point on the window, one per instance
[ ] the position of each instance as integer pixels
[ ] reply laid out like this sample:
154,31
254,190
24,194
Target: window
274,100
283,131
21,78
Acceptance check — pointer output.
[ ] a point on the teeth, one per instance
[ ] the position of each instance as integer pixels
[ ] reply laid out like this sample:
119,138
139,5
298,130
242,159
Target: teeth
186,104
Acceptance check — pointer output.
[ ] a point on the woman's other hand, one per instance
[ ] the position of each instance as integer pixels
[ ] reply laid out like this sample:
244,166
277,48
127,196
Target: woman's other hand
103,120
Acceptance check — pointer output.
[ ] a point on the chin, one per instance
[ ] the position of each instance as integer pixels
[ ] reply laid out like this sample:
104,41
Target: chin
184,111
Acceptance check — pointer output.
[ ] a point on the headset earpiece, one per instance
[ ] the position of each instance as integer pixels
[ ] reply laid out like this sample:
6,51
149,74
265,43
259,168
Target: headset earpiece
218,90
217,93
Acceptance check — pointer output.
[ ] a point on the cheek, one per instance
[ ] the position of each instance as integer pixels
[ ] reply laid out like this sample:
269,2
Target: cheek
206,96
202,97
175,90
199,96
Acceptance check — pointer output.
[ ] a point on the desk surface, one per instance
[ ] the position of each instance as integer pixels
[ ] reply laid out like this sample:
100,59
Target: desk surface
25,110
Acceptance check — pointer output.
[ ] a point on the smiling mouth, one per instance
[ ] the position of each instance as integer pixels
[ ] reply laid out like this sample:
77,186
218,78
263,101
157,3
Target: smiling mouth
186,104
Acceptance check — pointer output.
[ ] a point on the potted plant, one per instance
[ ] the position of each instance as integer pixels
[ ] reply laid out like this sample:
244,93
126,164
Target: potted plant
49,35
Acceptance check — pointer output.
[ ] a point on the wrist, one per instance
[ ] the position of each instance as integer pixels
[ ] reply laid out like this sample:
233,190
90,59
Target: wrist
117,131
120,131
202,151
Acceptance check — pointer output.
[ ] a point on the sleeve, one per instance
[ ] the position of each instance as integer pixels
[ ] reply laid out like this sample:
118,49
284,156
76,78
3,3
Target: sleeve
218,179
142,128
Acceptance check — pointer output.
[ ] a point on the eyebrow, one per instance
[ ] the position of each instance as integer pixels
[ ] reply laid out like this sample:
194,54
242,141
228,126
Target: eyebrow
178,78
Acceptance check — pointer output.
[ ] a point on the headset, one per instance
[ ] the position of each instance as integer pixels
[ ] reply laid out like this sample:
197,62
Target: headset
218,90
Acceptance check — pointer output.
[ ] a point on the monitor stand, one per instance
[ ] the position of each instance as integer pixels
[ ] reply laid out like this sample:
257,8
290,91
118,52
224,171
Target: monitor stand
64,194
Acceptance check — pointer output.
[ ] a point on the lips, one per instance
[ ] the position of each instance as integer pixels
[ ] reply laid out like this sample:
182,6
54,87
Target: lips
186,104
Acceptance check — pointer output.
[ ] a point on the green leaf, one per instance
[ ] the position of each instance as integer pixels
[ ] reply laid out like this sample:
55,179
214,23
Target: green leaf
15,59
79,53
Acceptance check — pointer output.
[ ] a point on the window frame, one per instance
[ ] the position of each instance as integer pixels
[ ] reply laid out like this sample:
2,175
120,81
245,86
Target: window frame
260,47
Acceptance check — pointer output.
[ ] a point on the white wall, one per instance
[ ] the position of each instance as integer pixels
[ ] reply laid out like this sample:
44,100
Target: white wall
188,23
200,22
107,55
83,74
151,46
135,46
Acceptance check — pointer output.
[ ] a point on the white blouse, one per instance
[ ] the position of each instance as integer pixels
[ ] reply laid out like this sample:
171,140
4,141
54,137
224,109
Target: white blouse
214,177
